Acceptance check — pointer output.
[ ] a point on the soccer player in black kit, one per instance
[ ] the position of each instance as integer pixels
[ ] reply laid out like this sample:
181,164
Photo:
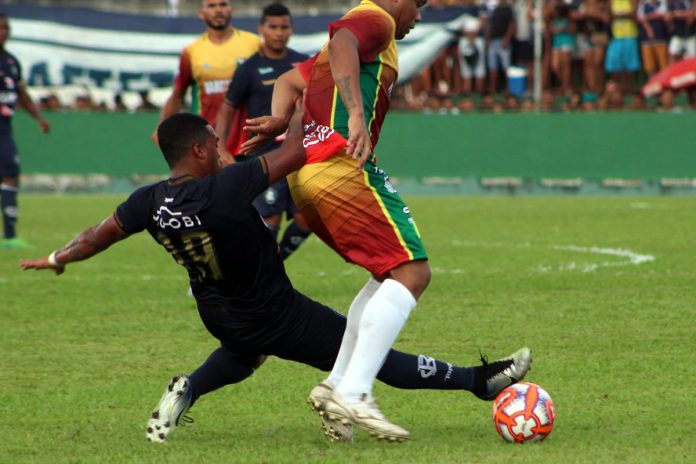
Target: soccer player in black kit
12,90
251,92
203,216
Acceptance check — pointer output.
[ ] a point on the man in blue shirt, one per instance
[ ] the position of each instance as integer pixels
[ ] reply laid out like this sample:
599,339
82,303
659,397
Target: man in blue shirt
250,92
12,90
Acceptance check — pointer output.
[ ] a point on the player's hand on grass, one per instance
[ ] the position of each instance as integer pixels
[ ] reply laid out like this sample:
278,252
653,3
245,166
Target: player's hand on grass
39,264
359,143
44,126
266,128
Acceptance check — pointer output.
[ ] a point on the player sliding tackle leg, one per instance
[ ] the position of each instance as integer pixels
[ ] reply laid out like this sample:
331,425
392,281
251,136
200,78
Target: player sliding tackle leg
317,346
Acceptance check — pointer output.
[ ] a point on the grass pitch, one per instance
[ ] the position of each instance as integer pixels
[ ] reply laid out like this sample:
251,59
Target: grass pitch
602,289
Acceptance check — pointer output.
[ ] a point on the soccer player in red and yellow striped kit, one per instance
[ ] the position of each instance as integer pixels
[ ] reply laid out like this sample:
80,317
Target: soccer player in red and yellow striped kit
207,65
352,206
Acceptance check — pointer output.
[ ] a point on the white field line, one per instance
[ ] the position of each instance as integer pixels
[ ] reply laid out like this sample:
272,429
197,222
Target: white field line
631,258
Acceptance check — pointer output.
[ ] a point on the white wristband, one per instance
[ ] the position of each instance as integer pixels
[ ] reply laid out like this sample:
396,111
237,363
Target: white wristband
53,261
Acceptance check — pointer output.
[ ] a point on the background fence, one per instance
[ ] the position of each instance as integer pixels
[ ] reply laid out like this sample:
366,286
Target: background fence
460,153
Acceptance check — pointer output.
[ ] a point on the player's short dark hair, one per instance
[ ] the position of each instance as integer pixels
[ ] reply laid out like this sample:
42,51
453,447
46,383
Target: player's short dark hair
178,132
275,9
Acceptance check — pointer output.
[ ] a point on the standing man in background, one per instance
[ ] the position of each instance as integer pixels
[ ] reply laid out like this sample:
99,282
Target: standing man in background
252,88
12,89
209,63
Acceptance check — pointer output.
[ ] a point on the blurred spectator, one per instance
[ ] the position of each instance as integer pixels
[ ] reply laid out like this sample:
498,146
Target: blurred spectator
548,102
145,103
118,103
499,35
589,102
472,56
682,44
49,103
172,8
527,105
523,45
592,39
613,97
667,101
467,104
487,103
638,103
512,104
622,59
653,35
84,103
562,30
574,103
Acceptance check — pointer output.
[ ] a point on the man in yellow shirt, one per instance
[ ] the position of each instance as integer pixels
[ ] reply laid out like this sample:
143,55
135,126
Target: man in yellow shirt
208,64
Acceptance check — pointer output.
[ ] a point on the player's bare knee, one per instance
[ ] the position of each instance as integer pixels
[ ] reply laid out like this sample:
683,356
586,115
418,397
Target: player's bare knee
414,275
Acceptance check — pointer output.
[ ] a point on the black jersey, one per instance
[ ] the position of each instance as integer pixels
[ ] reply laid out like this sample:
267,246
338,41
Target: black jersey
10,76
210,227
252,83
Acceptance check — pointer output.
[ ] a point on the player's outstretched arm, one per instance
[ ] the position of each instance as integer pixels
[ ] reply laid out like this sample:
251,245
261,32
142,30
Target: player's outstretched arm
344,58
28,104
287,90
290,156
90,242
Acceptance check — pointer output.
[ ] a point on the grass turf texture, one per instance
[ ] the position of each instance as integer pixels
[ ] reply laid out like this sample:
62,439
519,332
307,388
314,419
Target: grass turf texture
86,356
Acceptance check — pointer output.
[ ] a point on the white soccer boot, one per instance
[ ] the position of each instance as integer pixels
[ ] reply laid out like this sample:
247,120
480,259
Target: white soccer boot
170,410
334,430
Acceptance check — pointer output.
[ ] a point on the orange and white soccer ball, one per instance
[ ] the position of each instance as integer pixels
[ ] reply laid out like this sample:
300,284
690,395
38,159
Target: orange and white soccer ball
523,412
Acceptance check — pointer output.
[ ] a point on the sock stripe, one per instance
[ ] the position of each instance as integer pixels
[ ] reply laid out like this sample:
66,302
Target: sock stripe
8,188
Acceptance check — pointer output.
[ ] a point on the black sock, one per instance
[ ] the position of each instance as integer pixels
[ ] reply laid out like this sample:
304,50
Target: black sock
408,371
8,204
293,237
221,368
274,231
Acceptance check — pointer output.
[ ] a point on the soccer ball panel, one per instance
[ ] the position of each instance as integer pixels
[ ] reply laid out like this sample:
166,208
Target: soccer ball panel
523,412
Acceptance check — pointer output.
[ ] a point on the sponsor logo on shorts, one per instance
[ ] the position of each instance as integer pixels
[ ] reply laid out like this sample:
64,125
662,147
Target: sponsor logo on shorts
315,134
270,196
426,366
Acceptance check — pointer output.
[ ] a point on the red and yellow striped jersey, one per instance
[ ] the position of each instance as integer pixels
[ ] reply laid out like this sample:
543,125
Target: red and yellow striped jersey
325,113
208,67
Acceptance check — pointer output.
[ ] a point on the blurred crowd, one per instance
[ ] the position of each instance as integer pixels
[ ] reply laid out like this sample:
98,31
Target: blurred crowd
596,54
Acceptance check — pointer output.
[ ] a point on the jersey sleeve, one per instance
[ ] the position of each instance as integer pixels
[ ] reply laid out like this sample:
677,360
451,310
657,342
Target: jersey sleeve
240,86
373,30
241,183
184,77
132,214
306,66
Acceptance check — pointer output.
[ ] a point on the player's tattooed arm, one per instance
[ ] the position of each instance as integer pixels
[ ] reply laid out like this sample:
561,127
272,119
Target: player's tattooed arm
87,244
344,59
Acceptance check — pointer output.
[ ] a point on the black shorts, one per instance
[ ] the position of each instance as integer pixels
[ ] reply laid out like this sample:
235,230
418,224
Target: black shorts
297,329
275,201
9,158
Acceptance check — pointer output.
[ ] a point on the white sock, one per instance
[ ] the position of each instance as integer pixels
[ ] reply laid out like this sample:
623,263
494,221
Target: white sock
382,319
351,334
